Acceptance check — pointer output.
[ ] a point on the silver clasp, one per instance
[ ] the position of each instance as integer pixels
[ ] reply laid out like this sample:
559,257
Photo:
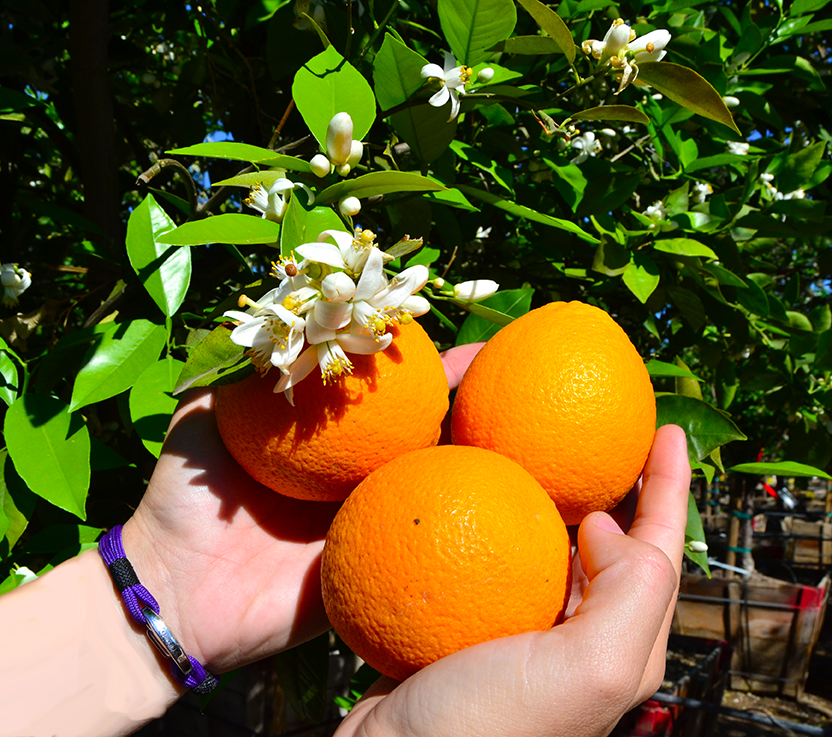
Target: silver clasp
166,643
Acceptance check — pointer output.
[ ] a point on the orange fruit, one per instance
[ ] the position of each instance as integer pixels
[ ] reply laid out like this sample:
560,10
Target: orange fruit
335,435
441,549
563,392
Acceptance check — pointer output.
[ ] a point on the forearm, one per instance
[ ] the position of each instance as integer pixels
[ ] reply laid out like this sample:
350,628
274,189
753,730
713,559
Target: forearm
71,660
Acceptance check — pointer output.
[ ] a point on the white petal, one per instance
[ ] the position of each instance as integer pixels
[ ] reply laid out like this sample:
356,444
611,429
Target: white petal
338,287
317,333
440,98
433,70
237,315
416,305
343,239
310,196
332,315
245,334
322,253
450,63
454,106
299,370
364,344
474,291
372,276
659,39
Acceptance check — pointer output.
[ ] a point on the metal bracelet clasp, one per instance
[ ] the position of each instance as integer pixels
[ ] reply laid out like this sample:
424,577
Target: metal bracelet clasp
166,643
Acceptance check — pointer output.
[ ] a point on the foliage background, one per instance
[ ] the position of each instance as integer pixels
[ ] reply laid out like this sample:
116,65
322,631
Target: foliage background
730,302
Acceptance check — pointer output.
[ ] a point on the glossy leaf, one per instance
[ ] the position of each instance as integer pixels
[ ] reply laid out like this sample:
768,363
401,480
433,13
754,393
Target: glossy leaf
327,85
165,271
530,46
152,402
512,302
684,247
552,23
253,178
624,113
113,364
303,224
215,360
17,504
641,276
50,447
525,212
244,152
705,426
396,72
780,468
9,381
378,182
472,27
662,369
228,227
489,314
688,88
426,129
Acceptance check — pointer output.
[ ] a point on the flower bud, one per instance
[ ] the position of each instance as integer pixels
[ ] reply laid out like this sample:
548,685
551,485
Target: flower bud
356,152
339,138
485,75
338,287
731,101
476,290
349,206
438,283
343,170
320,165
697,546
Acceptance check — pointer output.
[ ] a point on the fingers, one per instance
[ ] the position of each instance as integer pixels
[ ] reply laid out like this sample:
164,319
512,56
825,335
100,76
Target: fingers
456,361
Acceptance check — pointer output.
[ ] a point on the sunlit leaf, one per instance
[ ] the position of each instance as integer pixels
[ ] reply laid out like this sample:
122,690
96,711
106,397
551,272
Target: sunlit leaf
688,88
623,113
224,228
243,152
152,402
513,302
378,182
641,276
780,468
472,27
695,532
215,360
705,426
396,72
684,247
662,369
552,23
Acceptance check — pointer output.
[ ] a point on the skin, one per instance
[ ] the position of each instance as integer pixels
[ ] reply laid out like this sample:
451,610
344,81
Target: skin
235,569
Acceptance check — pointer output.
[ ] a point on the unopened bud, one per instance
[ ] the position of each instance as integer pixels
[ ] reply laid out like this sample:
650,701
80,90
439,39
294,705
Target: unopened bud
476,290
320,165
356,152
438,283
697,546
731,101
485,75
148,78
343,170
339,138
349,206
338,287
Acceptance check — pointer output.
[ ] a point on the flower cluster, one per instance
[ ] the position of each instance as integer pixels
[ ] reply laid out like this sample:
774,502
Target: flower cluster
335,300
15,282
454,79
775,194
271,203
342,155
624,51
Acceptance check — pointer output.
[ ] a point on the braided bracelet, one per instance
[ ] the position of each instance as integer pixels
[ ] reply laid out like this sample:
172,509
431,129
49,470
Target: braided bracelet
186,669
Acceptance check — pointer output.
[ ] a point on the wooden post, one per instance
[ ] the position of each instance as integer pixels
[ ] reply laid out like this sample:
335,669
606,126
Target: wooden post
735,504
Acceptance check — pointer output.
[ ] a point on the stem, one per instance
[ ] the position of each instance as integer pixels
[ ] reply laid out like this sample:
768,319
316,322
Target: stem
394,8
145,177
287,112
582,83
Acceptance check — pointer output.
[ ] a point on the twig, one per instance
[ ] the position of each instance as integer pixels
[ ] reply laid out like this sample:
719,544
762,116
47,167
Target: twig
145,177
276,134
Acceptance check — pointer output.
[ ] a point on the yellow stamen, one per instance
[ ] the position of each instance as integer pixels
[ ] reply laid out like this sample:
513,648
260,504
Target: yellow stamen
650,48
243,301
405,318
465,74
291,303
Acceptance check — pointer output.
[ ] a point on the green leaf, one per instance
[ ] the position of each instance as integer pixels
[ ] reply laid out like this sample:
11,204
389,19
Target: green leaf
9,379
513,302
378,182
113,364
552,23
152,403
50,447
215,360
641,276
304,223
686,386
396,72
695,531
705,426
17,504
780,468
472,27
243,152
426,129
251,179
688,88
689,305
228,227
165,271
452,198
799,7
800,166
684,247
530,46
525,212
303,672
611,259
486,313
662,369
754,299
612,112
327,85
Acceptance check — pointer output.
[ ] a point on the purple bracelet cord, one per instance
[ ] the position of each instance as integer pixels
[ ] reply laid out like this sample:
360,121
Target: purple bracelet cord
132,592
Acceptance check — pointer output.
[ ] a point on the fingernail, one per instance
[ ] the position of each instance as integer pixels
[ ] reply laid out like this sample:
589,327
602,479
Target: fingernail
607,523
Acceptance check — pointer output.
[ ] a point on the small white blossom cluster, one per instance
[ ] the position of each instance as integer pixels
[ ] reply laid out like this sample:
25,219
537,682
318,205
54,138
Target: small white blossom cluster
341,156
15,281
701,192
622,50
586,144
335,300
775,194
271,203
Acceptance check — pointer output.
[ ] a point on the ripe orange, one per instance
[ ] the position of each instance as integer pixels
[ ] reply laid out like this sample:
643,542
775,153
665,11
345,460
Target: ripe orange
441,549
563,392
335,435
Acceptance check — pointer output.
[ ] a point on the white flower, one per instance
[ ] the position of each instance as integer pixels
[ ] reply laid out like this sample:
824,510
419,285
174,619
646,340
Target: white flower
453,78
766,178
273,335
798,194
656,211
476,290
624,51
272,204
15,282
587,145
738,147
701,192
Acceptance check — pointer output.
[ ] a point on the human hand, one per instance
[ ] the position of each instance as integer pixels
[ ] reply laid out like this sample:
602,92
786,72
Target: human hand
233,565
580,677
